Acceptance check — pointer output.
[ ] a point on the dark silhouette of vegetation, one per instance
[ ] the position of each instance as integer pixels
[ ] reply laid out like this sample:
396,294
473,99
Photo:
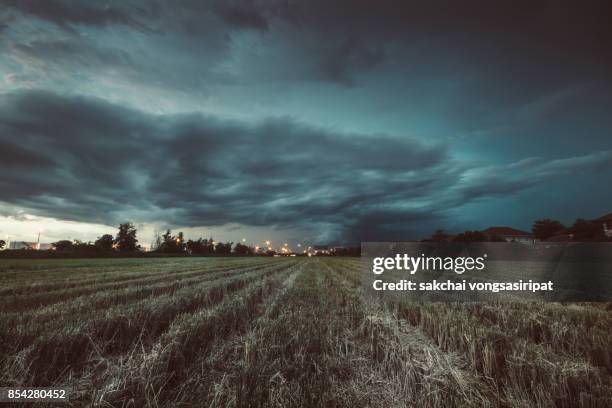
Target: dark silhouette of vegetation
63,246
241,249
105,243
223,248
546,228
176,244
126,238
170,244
201,246
587,231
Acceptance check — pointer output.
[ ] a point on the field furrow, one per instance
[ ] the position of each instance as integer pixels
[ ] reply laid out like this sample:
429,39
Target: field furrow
112,279
191,337
92,295
114,331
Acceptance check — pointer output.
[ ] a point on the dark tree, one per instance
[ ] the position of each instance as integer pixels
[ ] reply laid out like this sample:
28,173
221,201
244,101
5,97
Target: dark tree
126,238
84,247
63,246
200,246
470,236
171,244
2,243
241,249
194,246
180,243
224,248
587,231
208,246
105,243
167,239
157,243
546,228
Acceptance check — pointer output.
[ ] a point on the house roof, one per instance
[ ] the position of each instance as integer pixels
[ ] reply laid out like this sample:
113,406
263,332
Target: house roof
506,232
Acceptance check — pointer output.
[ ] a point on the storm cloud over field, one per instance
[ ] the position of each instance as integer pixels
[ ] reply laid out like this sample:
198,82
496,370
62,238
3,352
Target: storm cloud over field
339,121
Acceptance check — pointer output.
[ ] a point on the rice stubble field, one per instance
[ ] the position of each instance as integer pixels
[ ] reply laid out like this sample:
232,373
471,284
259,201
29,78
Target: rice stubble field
285,332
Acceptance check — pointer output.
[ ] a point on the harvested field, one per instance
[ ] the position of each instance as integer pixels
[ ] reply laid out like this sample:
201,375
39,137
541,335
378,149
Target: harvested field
285,332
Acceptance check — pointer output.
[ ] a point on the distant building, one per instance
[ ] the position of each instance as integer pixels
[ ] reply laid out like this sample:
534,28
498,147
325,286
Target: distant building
22,245
606,223
29,245
509,234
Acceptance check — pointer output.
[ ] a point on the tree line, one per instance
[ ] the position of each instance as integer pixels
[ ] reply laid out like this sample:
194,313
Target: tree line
580,231
126,242
176,244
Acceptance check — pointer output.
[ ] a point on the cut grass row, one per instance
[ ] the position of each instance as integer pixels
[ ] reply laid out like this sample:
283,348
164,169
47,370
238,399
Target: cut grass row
80,308
45,357
575,331
299,352
23,302
160,370
51,284
23,277
524,372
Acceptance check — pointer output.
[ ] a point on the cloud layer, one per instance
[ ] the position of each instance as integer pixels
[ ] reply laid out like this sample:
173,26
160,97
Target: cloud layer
88,160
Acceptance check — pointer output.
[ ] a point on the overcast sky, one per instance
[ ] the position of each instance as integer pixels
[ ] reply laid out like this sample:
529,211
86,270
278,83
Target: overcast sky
302,121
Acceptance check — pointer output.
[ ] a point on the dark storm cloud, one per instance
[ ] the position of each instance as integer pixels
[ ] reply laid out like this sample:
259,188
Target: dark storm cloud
85,159
535,45
64,13
97,161
241,14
